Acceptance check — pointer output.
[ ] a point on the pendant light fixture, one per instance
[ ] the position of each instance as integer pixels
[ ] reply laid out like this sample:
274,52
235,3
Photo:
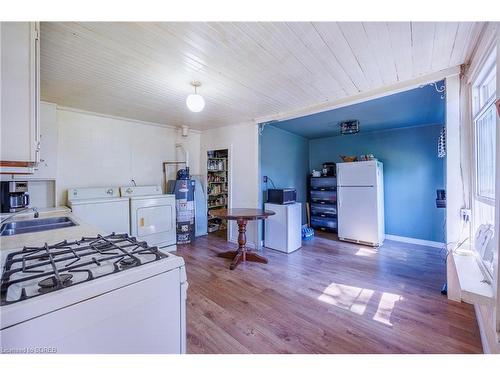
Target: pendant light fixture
195,102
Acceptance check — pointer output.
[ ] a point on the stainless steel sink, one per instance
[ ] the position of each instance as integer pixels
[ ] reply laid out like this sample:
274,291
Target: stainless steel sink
35,225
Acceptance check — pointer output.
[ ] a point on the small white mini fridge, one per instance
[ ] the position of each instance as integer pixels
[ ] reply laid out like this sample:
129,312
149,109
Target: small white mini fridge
283,230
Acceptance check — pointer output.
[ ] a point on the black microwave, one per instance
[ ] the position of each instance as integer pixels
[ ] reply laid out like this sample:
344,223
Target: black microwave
281,196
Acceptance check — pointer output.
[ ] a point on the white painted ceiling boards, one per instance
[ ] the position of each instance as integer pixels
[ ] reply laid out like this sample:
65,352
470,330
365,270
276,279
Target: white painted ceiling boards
248,70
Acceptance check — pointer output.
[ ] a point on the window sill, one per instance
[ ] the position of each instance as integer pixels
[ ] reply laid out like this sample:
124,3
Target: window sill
471,279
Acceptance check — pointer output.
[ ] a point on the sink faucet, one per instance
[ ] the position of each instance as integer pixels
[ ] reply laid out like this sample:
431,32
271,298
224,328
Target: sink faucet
34,209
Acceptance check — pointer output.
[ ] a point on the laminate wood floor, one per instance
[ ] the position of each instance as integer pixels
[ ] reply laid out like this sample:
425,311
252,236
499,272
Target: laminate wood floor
328,297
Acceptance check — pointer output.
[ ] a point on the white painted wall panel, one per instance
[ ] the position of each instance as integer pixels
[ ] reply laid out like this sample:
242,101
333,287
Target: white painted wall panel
243,144
97,150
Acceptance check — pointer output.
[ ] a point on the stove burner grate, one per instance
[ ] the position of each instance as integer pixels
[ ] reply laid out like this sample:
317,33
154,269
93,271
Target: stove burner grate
52,267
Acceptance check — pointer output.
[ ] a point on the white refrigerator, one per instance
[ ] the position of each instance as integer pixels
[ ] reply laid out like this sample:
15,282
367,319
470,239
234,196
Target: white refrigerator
360,202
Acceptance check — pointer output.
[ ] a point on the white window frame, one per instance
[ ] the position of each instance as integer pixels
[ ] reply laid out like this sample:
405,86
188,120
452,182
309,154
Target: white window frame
478,110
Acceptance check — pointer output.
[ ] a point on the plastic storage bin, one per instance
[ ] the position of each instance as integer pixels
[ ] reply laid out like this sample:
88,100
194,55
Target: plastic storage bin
324,224
318,196
323,183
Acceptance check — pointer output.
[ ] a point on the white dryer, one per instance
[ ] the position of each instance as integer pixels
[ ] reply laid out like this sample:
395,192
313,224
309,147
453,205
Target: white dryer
152,215
101,207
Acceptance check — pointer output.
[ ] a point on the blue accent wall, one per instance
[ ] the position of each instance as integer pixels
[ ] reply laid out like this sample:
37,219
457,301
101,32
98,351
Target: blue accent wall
412,173
284,157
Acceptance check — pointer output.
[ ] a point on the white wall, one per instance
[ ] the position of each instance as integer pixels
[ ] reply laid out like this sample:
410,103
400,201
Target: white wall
243,144
191,144
97,150
42,193
488,317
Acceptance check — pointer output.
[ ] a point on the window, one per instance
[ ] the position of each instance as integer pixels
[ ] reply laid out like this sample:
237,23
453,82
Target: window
484,112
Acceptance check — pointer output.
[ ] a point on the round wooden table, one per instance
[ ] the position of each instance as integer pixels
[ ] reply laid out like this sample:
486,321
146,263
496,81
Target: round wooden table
242,216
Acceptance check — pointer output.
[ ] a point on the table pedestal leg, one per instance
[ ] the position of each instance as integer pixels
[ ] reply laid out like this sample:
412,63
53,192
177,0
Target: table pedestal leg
242,254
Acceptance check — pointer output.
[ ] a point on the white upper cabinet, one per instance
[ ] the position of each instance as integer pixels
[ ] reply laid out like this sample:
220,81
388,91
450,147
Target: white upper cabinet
19,96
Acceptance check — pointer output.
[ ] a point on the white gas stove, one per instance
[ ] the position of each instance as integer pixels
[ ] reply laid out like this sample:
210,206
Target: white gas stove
106,294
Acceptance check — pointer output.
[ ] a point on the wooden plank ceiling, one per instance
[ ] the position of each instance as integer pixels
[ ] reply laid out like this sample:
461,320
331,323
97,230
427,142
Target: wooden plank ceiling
248,70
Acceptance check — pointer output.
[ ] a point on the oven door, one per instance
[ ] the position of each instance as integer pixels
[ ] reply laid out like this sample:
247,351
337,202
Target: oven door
143,317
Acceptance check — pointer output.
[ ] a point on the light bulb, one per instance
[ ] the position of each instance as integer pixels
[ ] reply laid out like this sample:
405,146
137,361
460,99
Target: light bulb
195,102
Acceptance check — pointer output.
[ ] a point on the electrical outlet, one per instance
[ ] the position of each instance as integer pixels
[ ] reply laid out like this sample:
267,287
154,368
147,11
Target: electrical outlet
265,178
465,214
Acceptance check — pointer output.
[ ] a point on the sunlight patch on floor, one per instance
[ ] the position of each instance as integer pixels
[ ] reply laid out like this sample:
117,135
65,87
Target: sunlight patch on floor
385,307
347,297
357,300
366,252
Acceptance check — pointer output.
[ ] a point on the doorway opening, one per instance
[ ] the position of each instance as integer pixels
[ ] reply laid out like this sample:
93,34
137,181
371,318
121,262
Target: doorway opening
405,141
217,190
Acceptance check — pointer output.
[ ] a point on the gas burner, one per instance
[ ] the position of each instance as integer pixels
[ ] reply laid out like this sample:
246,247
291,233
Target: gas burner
50,283
104,246
128,262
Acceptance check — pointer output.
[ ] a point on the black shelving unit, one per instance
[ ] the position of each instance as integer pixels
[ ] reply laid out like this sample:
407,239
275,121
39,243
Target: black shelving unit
323,203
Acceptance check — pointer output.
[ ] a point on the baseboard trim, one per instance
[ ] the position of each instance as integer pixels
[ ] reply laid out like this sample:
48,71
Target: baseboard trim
415,241
482,333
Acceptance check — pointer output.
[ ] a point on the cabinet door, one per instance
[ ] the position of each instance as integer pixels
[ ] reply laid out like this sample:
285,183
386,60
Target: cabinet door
19,94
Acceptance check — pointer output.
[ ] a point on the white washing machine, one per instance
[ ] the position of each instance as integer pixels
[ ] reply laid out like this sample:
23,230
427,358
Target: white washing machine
152,215
101,207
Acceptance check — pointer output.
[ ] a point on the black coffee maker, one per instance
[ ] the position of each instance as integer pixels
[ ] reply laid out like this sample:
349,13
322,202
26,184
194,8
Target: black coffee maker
14,196
329,168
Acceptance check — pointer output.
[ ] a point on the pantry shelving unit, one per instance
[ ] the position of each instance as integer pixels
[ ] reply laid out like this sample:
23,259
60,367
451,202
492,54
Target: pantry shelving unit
217,187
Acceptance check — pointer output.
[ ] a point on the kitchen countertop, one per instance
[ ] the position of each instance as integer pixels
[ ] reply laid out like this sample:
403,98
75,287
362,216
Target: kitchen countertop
49,236
29,214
